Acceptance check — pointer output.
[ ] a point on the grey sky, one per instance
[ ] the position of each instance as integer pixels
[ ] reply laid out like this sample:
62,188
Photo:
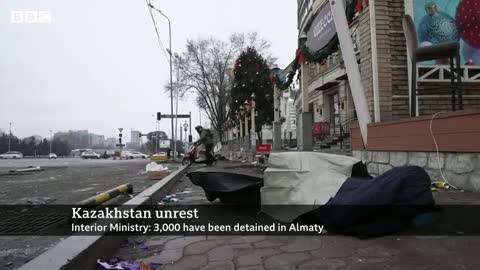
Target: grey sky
98,65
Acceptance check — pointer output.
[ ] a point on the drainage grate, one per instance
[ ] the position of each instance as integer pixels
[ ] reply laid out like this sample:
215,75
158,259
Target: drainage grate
31,223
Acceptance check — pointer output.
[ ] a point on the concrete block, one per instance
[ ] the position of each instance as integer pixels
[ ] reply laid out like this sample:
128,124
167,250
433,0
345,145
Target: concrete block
381,157
357,154
461,181
475,181
398,159
436,161
367,156
418,159
372,168
461,163
382,168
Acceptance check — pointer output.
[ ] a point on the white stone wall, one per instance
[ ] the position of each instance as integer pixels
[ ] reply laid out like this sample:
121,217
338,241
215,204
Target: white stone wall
460,169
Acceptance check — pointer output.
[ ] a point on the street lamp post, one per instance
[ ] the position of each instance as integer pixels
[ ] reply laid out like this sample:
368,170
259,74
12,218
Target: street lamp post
51,140
171,74
9,135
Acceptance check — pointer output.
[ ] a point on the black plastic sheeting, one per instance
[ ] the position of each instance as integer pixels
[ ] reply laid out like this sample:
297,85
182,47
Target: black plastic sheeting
239,187
372,207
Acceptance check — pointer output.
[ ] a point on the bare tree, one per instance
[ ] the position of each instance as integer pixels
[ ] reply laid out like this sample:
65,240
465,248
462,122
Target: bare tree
204,68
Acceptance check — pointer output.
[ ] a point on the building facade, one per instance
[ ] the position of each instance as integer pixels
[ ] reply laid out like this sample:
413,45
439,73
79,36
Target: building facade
380,47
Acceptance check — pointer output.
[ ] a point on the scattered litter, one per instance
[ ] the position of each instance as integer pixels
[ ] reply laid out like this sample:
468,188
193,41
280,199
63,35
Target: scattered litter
437,185
188,188
138,242
120,264
152,167
8,263
156,171
29,169
170,198
143,246
185,192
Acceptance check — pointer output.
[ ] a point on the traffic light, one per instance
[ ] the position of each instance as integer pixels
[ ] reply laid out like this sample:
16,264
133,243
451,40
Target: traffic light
120,140
159,116
189,138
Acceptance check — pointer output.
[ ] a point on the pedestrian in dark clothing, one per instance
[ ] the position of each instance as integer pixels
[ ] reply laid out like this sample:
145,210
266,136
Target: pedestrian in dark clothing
206,137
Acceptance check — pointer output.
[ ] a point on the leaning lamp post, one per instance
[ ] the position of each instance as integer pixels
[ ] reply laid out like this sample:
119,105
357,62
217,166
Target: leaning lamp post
171,76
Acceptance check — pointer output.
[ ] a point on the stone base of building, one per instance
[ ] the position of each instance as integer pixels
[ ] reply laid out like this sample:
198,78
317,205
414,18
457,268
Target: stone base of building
461,170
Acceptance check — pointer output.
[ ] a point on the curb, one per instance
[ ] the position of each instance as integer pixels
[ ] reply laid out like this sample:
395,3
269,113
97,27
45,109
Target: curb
81,252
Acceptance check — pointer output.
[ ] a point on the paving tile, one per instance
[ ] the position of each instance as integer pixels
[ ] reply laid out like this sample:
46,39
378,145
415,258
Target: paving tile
247,239
202,246
255,256
322,264
286,261
160,240
274,241
219,265
255,267
303,244
183,241
226,252
166,256
193,262
335,251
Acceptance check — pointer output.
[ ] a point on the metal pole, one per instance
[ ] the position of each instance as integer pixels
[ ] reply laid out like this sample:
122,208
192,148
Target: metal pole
171,80
176,106
51,140
10,135
353,71
190,119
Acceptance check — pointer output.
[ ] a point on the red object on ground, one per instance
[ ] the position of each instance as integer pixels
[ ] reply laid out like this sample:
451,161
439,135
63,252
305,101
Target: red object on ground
264,148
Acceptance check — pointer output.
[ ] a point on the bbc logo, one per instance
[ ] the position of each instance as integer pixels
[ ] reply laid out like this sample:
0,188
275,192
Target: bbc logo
31,17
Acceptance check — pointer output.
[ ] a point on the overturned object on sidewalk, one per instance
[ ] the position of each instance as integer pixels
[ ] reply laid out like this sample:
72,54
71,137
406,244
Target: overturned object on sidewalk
371,207
156,171
304,179
29,169
238,186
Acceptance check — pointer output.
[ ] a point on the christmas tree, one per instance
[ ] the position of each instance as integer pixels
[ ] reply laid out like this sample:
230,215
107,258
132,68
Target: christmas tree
253,76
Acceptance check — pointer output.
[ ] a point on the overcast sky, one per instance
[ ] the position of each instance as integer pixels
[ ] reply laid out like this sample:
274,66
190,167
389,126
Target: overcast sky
98,65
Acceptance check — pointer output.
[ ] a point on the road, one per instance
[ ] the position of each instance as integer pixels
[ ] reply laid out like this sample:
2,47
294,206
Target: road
63,181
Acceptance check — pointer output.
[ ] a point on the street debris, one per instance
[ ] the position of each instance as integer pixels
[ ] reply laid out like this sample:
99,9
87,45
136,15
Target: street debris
29,169
156,171
120,264
170,199
438,185
241,186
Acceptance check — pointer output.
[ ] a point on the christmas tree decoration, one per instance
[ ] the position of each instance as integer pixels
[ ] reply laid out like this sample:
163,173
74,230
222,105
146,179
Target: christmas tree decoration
468,22
254,78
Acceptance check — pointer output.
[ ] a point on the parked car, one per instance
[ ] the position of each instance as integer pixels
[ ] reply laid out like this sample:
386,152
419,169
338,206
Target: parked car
90,154
132,155
160,156
11,155
52,155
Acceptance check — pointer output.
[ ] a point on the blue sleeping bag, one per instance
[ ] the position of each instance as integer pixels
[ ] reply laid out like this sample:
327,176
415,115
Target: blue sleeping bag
370,207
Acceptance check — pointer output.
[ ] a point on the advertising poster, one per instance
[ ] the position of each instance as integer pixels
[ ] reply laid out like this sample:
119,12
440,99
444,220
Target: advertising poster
441,21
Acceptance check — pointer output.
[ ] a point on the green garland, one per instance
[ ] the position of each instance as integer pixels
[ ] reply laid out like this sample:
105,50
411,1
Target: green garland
315,57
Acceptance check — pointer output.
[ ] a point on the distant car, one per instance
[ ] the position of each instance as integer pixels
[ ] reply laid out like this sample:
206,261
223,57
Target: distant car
11,155
160,156
132,155
52,155
90,154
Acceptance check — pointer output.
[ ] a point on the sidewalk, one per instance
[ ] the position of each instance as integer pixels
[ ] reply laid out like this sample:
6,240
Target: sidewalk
297,252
